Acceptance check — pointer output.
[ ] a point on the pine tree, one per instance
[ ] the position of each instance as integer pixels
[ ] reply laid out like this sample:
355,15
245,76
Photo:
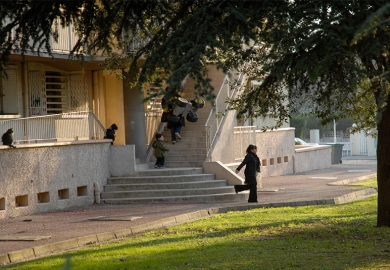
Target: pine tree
301,50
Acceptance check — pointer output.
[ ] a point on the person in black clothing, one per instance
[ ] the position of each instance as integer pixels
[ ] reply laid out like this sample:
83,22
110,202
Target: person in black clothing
7,138
252,163
110,133
167,105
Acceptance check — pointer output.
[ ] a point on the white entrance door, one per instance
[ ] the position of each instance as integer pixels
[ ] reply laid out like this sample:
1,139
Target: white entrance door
10,93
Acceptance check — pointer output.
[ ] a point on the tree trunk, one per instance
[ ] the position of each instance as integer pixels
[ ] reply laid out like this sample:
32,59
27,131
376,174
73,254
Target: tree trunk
383,168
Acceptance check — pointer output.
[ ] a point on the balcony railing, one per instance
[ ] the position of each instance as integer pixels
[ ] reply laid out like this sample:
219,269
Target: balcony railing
68,37
54,128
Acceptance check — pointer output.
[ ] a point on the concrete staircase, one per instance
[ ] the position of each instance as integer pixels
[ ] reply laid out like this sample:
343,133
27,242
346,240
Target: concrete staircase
191,150
183,179
169,186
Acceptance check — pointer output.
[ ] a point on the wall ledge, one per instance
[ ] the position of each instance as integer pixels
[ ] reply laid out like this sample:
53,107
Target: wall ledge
48,144
307,148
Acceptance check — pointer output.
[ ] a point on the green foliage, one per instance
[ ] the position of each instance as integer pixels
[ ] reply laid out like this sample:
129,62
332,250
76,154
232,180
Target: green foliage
322,54
299,123
313,237
303,52
303,124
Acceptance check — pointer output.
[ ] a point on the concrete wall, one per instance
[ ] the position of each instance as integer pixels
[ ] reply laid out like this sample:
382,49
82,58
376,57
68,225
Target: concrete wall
308,158
275,150
122,160
224,142
280,156
47,177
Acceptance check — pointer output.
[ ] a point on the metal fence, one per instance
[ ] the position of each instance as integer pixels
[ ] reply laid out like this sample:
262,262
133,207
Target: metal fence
243,136
56,127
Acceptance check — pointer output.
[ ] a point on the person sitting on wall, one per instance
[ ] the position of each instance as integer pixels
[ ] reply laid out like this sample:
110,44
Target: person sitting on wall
110,133
7,138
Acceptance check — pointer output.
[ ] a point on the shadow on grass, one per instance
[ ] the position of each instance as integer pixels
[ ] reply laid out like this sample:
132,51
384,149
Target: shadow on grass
292,238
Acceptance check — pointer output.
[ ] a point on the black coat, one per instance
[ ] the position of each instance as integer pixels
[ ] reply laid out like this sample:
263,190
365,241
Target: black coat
7,137
252,163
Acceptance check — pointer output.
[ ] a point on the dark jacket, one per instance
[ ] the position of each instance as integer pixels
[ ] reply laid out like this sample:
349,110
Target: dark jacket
252,163
7,137
160,149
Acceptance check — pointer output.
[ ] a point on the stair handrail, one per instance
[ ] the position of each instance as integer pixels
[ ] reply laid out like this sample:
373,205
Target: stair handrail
211,130
153,126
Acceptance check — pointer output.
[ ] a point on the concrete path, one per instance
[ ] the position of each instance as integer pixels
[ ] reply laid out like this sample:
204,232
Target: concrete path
29,237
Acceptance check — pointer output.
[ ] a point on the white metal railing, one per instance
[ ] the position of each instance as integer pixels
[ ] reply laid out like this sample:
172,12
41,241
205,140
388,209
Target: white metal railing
228,89
56,127
152,119
243,136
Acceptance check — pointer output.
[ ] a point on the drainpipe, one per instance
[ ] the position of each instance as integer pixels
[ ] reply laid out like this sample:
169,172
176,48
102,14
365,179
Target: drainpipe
294,164
96,192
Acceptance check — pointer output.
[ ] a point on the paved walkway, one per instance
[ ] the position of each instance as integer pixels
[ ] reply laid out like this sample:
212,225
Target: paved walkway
74,228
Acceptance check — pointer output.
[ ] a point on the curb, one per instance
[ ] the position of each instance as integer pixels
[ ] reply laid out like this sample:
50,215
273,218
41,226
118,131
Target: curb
353,180
80,242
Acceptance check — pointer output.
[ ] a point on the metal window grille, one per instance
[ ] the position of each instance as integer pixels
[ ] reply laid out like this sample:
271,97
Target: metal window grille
78,92
37,93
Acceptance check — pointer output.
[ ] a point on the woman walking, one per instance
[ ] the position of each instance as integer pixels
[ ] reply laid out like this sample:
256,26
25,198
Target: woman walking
252,163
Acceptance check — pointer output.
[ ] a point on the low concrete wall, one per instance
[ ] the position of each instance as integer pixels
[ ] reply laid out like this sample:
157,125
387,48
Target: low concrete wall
275,150
308,158
222,171
122,161
47,177
280,156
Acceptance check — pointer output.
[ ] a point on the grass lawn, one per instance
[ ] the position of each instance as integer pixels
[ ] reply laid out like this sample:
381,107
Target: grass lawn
312,237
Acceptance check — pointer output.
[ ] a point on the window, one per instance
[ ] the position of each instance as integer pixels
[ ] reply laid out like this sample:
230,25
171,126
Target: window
53,92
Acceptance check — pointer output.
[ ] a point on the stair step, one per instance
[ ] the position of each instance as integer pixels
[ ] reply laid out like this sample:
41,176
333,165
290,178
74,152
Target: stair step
186,133
139,167
188,139
160,179
154,186
180,156
209,198
178,148
167,192
184,144
180,164
193,127
177,156
171,171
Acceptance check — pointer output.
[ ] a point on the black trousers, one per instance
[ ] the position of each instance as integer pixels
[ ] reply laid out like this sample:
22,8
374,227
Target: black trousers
252,191
160,161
